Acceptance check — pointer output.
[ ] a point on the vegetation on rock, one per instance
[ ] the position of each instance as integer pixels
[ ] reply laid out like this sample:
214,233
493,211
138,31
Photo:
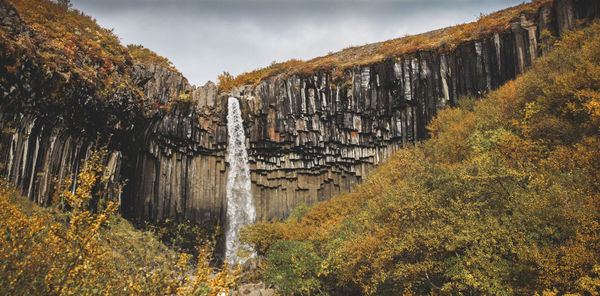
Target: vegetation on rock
441,40
504,199
71,44
69,59
148,57
226,81
80,246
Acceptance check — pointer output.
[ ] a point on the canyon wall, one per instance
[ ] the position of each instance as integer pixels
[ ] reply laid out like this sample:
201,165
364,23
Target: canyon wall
309,137
42,144
180,170
42,153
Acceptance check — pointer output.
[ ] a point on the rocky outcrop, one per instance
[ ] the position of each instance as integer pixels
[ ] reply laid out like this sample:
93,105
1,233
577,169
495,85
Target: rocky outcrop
309,137
42,153
160,85
43,143
253,290
180,170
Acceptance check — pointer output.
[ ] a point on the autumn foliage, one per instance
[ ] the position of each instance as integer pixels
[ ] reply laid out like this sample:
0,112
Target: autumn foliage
227,81
504,199
71,45
80,246
70,58
439,40
148,57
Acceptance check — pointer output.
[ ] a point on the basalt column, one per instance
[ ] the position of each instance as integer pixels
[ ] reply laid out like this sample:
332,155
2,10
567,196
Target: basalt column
313,136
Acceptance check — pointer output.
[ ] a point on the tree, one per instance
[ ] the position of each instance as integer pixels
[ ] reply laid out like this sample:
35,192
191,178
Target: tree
225,82
294,267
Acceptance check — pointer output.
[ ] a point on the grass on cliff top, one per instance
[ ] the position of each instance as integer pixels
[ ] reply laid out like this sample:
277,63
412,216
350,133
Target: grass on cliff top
71,42
68,43
442,40
147,57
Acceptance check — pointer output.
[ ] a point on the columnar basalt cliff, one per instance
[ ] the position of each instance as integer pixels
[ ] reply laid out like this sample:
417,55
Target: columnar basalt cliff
181,170
43,153
313,137
43,143
309,136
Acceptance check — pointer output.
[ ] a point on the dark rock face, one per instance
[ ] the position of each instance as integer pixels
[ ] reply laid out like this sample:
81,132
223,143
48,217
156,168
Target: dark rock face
309,138
180,171
159,84
587,9
38,150
42,142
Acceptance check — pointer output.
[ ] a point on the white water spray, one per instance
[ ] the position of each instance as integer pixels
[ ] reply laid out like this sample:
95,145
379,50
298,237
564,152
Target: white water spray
240,207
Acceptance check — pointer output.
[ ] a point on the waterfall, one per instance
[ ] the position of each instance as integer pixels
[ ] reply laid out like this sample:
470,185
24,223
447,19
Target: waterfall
240,207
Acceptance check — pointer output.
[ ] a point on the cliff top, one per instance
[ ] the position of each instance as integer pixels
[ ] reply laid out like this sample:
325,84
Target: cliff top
70,42
72,49
143,55
442,40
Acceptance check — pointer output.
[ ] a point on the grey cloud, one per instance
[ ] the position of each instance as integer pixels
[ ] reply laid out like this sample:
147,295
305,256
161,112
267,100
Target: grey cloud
204,38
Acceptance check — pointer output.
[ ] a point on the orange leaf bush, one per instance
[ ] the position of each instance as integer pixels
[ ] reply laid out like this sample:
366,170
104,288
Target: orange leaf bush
503,199
80,246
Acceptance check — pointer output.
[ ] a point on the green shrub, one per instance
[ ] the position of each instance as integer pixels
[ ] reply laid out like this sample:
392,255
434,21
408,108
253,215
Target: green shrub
293,268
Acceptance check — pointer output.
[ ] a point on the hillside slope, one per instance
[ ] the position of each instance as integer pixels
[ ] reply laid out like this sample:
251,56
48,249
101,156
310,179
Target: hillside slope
504,199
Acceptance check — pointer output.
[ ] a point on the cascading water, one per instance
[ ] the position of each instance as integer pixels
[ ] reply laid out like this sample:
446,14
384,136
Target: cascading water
240,207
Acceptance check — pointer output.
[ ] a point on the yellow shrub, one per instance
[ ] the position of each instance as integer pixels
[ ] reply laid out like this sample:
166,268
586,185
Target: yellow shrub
84,248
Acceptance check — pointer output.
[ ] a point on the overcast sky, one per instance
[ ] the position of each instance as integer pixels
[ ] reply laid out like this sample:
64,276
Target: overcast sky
203,38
